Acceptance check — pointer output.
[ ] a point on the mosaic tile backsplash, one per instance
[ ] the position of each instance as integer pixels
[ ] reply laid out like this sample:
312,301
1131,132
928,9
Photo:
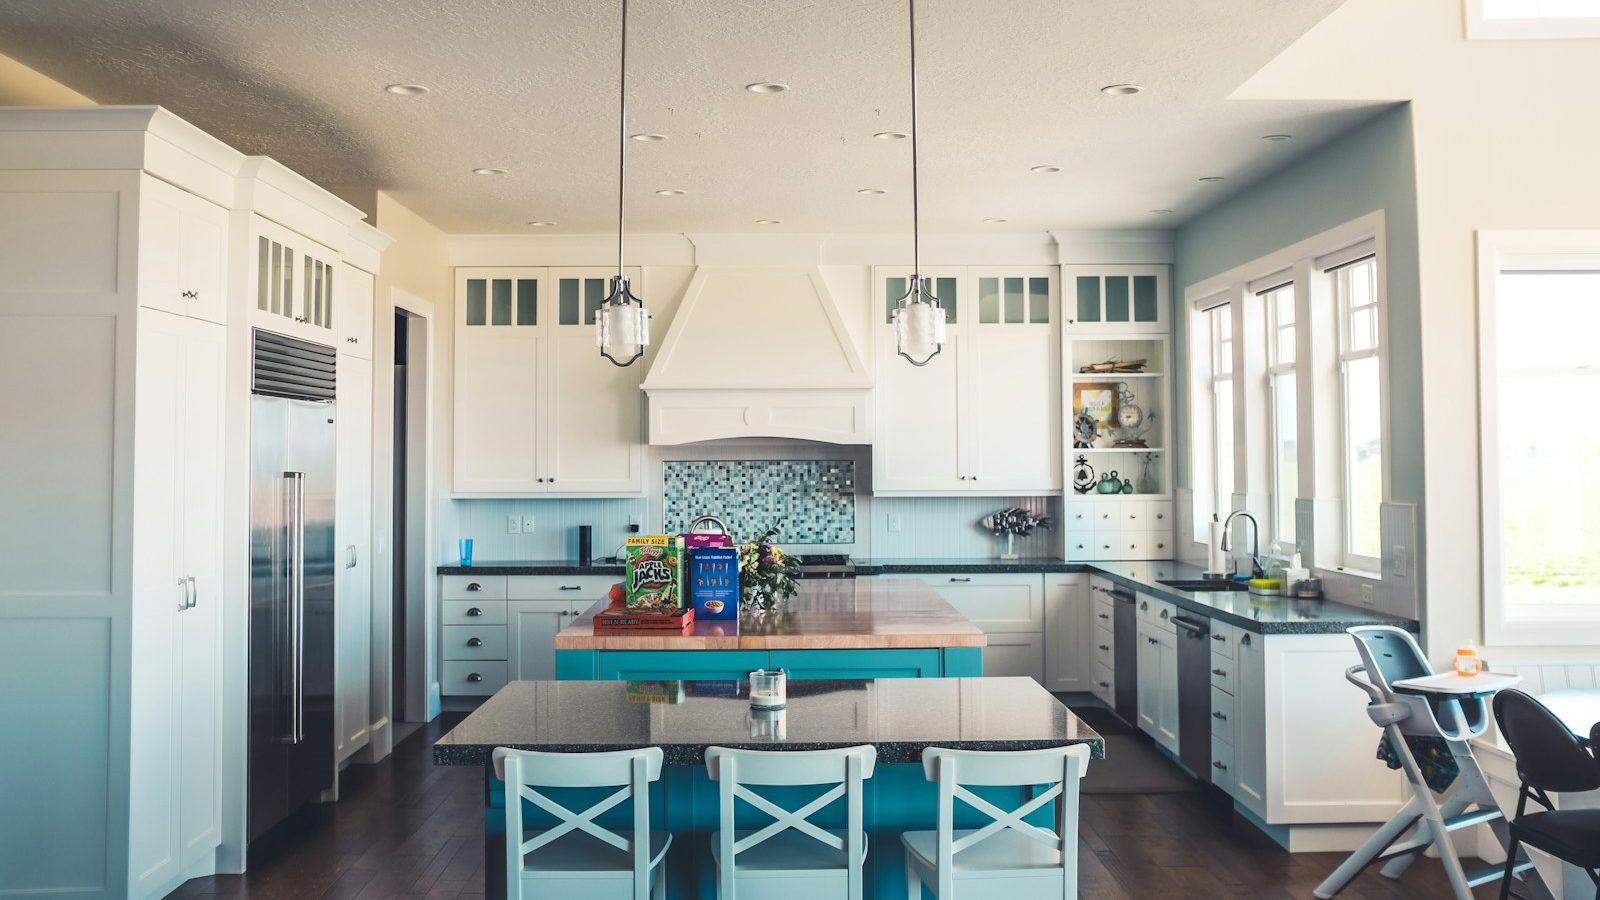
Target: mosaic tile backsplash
814,499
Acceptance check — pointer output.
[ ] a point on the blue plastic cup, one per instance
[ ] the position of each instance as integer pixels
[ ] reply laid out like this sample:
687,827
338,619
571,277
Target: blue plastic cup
466,551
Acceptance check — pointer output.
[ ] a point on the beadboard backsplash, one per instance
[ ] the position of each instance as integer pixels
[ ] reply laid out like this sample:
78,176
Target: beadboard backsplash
555,534
812,501
935,527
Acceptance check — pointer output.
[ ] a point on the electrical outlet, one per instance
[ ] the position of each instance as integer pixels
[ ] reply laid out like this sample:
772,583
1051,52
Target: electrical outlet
894,523
1400,562
1367,598
527,525
513,524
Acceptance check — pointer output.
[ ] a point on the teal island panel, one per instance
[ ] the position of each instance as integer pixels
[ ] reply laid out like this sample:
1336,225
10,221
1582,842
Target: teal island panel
624,665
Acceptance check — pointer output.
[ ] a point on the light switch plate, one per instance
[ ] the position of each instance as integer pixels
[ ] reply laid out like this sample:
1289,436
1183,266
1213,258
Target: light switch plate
527,525
894,523
513,524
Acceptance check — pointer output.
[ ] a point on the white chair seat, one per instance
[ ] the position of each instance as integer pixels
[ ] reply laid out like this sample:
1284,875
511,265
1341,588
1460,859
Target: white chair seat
579,854
1005,853
785,853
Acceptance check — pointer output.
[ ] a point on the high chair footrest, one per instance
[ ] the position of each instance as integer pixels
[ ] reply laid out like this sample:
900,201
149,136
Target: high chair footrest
1483,876
1476,817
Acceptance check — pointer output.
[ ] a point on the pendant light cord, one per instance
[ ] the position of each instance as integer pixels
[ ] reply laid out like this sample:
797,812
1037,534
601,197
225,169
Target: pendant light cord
916,210
622,133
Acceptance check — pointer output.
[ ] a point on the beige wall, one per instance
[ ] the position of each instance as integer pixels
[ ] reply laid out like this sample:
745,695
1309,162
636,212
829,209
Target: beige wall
22,86
1505,139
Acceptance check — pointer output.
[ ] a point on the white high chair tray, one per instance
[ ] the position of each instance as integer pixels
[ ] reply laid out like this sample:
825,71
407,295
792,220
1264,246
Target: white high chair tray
1451,683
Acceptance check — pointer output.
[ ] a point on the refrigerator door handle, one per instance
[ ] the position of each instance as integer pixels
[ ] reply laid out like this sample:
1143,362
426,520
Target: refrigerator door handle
296,534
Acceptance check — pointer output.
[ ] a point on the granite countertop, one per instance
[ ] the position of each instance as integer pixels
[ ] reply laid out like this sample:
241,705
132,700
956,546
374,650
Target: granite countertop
899,716
829,614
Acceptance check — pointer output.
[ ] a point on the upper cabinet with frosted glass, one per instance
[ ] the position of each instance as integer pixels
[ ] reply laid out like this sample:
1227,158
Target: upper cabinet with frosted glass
1115,298
291,282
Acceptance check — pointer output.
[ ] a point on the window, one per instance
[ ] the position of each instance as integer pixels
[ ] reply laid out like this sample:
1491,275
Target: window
1279,304
1220,320
1532,19
1355,287
1541,440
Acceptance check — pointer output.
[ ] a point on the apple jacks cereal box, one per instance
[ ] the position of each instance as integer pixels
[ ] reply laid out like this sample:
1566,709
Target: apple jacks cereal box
654,573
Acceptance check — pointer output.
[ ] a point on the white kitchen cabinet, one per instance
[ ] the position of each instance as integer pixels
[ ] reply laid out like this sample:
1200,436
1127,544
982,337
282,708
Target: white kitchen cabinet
1158,684
531,627
353,608
292,280
1069,646
537,409
175,751
352,319
1014,654
1115,298
512,636
182,252
983,416
1009,609
1250,722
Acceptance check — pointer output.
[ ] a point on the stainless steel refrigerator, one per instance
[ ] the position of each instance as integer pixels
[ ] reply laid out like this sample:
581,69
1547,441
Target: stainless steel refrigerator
291,576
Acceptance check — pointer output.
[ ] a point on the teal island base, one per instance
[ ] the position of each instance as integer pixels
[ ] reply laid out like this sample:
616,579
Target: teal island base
626,665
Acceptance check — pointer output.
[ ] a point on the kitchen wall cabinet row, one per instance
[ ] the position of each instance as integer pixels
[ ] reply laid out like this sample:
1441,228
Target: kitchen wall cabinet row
128,239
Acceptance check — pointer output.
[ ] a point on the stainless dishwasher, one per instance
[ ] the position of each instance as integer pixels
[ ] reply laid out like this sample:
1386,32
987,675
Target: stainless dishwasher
1125,636
1194,694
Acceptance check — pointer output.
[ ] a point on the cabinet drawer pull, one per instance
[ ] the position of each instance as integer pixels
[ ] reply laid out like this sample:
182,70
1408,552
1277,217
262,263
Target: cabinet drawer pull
474,611
1218,637
1104,684
1145,605
1105,648
474,677
474,642
1218,715
571,587
1244,640
1103,615
960,580
1222,672
474,586
1218,765
1166,614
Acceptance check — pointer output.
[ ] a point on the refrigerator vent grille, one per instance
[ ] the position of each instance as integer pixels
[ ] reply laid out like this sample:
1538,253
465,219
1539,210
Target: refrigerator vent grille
289,367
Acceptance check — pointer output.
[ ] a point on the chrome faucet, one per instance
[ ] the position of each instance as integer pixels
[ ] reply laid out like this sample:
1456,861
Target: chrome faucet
708,520
1255,541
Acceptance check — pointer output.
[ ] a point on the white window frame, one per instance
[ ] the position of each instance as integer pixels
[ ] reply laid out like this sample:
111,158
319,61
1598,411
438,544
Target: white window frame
1480,28
1499,251
1276,368
1342,294
1221,376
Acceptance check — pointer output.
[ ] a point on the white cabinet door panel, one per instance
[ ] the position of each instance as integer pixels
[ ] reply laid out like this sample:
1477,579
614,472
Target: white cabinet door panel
353,510
1014,654
1015,385
995,603
497,423
595,419
531,627
1069,636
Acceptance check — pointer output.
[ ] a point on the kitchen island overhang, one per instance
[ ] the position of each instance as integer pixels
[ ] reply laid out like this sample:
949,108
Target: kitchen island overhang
832,628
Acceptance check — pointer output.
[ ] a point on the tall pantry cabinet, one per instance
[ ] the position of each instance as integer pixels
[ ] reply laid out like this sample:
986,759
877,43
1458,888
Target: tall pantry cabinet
123,554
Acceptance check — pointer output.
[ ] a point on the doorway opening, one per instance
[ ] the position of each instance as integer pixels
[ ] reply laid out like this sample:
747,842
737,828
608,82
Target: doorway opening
408,627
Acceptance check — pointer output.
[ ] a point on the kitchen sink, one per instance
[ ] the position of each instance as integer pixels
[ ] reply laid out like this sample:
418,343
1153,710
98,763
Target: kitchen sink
1204,584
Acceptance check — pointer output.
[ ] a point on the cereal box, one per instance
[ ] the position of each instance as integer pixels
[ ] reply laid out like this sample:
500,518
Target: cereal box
714,582
654,573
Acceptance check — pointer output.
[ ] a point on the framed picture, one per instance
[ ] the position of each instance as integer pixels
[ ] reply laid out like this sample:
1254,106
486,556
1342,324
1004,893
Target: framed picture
1098,399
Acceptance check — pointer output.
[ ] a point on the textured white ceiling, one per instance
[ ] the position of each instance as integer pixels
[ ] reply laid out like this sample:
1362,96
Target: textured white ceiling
530,85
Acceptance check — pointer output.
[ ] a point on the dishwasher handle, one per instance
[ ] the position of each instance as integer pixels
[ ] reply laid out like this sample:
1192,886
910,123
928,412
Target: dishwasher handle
1193,626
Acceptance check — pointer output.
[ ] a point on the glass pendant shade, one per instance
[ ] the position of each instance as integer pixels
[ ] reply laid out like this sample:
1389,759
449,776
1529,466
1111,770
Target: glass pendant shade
622,326
919,324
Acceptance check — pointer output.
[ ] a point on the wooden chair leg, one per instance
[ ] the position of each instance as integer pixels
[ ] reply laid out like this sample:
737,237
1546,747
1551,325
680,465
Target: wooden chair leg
1511,867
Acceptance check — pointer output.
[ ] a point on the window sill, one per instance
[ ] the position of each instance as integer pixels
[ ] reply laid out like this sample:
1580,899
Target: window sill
1358,573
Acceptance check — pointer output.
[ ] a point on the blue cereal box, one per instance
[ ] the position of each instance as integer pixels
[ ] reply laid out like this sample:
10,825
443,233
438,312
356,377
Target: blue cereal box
714,582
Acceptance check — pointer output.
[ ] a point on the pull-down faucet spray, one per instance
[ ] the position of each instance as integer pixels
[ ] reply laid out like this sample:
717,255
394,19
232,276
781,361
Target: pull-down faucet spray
1255,542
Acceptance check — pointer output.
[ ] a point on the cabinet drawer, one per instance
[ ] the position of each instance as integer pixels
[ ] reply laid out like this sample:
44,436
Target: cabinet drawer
1104,684
1222,674
1223,639
1221,714
1103,617
459,677
474,612
998,604
474,587
581,590
1157,612
474,642
1158,545
1080,546
1104,649
1131,545
1222,773
1081,517
1158,514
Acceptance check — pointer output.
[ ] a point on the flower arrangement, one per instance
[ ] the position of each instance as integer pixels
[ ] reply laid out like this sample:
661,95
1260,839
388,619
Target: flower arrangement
1011,523
766,575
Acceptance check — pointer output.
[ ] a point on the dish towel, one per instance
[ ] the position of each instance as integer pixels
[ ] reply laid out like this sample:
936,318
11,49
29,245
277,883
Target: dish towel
1433,757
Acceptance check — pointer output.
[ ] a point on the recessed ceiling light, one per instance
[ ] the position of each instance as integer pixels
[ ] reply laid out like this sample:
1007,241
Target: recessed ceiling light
407,90
1121,90
672,192
769,222
542,224
1211,179
994,221
767,87
1045,170
490,170
1160,212
648,137
1275,138
891,135
871,192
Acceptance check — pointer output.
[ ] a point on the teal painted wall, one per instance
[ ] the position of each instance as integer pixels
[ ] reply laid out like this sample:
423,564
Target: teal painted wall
1372,167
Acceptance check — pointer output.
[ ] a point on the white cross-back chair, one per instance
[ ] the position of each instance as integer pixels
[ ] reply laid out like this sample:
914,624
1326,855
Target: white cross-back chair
578,857
792,857
1007,858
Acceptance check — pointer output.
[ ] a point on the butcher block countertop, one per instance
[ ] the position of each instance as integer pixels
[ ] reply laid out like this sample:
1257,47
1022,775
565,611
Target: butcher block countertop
826,614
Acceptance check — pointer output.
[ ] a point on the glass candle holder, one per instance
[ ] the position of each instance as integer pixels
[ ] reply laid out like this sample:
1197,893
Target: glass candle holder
769,689
769,724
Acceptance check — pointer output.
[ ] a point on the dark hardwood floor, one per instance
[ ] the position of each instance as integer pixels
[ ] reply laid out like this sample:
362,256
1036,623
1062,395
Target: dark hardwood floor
407,828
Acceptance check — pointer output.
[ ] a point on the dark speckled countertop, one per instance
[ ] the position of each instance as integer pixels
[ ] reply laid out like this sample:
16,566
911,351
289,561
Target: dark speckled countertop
898,716
1264,615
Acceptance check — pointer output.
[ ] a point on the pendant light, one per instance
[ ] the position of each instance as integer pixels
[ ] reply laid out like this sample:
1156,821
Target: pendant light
622,326
919,324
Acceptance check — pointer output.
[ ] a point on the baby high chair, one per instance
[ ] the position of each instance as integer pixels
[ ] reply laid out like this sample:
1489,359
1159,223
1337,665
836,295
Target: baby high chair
1409,700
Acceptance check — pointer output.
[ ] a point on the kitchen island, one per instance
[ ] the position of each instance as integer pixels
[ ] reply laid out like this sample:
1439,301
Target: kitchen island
898,717
832,628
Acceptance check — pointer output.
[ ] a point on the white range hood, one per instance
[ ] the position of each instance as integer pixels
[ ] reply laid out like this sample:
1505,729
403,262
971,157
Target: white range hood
758,352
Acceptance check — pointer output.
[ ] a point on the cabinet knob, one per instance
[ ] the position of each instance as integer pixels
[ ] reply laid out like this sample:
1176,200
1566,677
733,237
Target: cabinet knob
474,677
1145,605
1244,640
1165,614
474,642
1217,715
541,481
474,586
1222,672
1132,516
474,611
568,612
350,340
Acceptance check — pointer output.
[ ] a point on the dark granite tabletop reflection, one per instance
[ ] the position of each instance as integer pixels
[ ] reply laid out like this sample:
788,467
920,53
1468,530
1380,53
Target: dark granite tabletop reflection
898,716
